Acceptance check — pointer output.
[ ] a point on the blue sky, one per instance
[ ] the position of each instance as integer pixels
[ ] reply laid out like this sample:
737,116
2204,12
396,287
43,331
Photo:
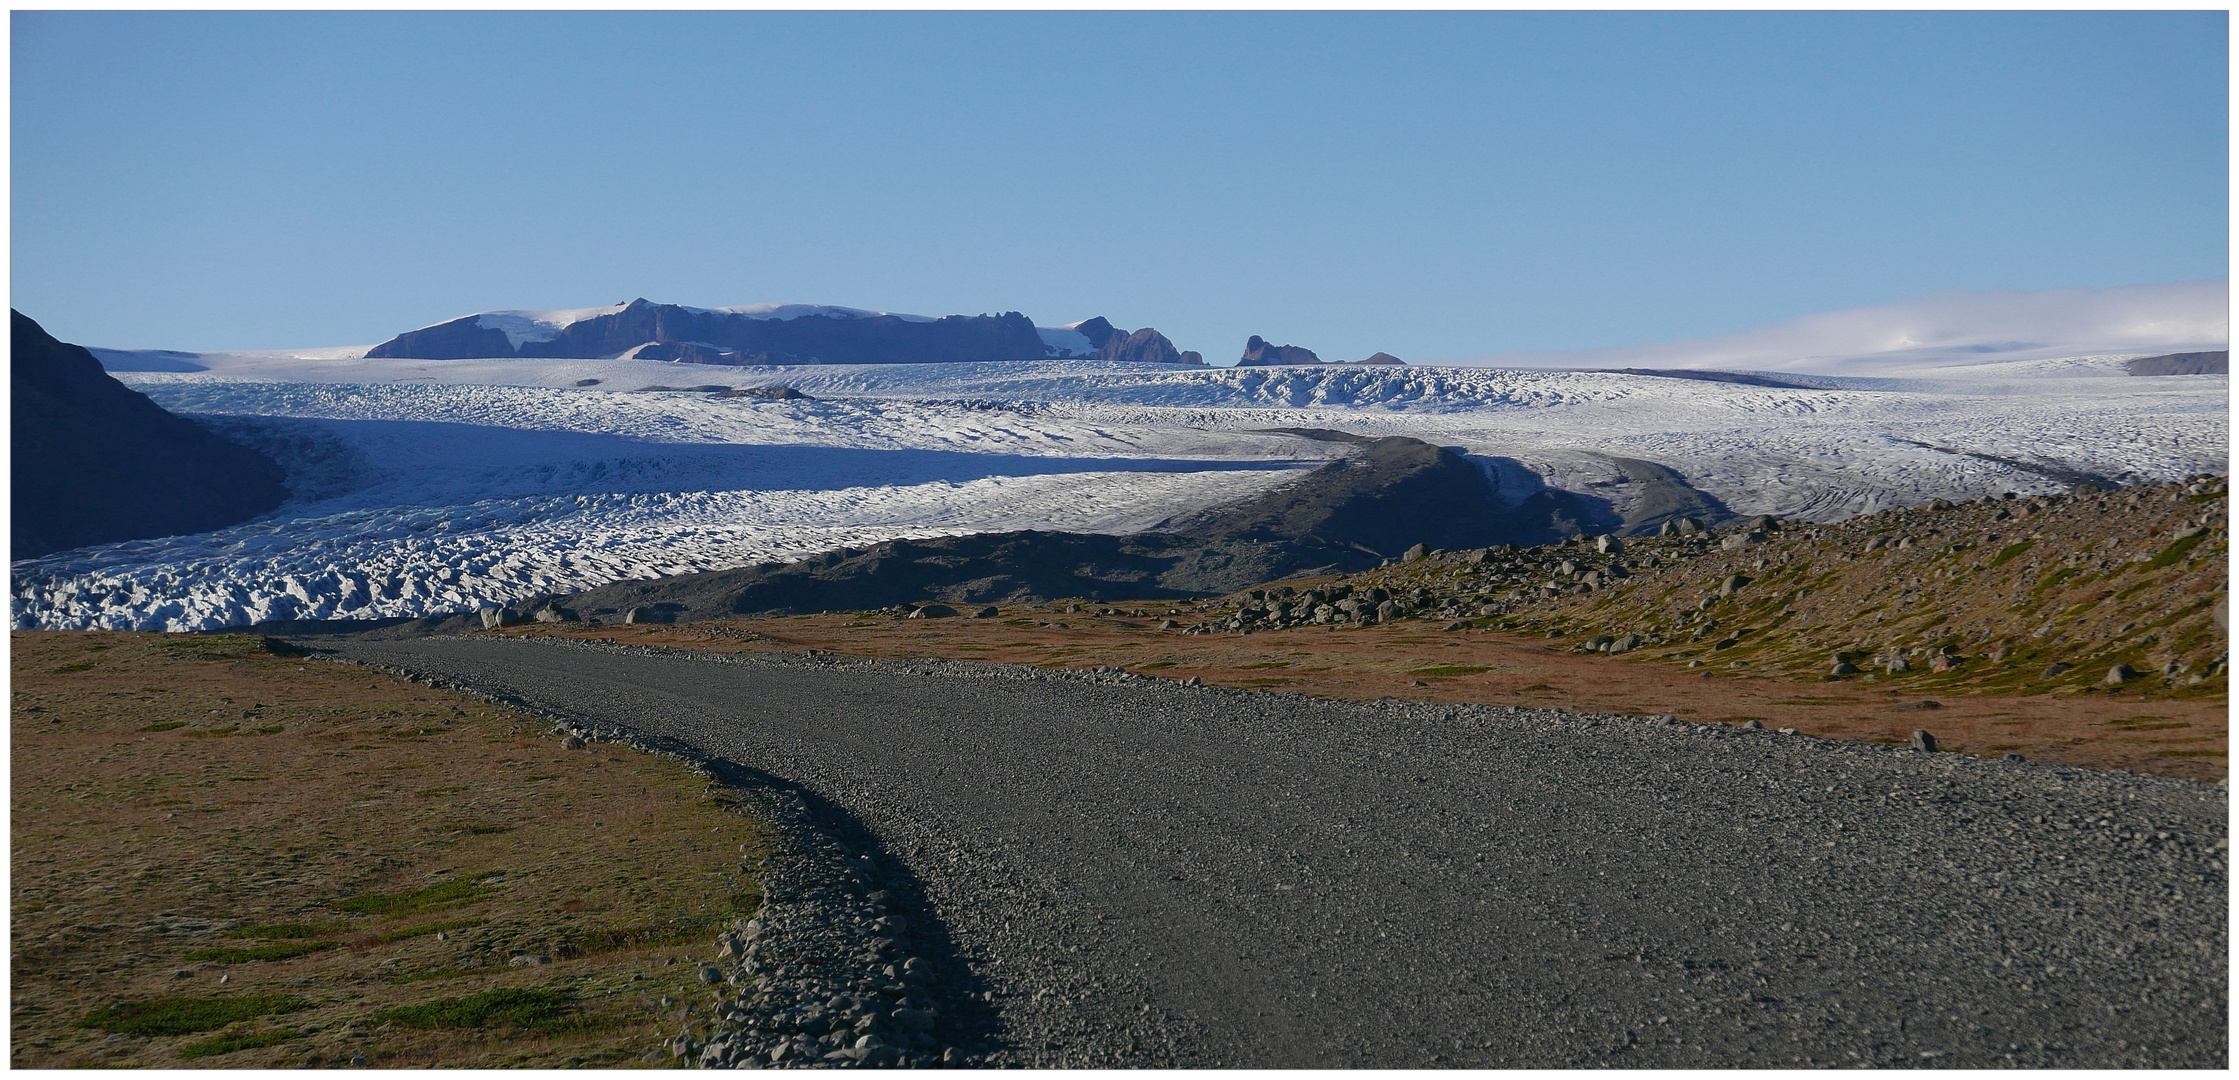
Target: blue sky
1431,185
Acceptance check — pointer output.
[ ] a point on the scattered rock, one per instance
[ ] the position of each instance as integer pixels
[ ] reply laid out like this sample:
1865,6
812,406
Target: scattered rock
1753,725
530,960
1733,584
2119,674
1844,668
943,611
1609,544
711,975
552,613
1923,741
1912,705
1415,553
573,742
2055,669
988,612
2014,757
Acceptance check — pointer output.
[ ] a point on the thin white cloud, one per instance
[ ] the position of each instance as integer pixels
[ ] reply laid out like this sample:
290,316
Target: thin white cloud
1941,330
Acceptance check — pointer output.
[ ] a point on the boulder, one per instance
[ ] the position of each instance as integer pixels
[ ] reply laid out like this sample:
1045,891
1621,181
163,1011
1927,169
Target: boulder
1740,540
1924,742
552,613
987,612
639,614
2119,674
1609,544
494,617
939,611
1734,583
1415,553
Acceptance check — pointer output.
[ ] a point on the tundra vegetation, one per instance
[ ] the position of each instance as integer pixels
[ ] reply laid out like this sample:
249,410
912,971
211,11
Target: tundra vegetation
227,854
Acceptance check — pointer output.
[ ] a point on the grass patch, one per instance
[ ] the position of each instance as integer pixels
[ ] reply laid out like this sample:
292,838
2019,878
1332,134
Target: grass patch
1154,665
465,890
226,1044
2173,552
513,1007
185,1015
1268,664
1450,671
287,931
286,950
430,928
2008,552
167,725
82,665
2188,753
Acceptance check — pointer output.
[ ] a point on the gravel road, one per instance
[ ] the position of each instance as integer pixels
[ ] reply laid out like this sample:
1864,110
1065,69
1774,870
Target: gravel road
1137,872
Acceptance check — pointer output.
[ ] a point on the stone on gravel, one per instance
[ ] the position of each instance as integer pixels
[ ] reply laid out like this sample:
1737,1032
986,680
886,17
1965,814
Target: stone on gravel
1921,740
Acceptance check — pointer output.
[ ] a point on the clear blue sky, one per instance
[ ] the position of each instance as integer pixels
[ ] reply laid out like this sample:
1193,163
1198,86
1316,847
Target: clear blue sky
1432,185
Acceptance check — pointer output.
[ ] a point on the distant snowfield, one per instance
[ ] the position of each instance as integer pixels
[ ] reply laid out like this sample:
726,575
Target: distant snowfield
428,487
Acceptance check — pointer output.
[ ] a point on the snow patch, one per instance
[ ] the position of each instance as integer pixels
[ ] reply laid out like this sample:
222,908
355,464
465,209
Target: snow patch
521,327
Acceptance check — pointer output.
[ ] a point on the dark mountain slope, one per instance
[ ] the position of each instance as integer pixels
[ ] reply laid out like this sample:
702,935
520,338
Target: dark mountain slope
715,337
96,462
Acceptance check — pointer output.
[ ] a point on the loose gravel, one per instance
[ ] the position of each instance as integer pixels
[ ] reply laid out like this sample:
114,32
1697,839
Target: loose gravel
1097,869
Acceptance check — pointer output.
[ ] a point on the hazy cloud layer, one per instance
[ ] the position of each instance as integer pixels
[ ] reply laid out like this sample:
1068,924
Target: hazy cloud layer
1942,329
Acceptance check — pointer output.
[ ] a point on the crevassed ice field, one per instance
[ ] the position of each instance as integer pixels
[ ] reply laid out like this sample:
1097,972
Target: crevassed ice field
428,487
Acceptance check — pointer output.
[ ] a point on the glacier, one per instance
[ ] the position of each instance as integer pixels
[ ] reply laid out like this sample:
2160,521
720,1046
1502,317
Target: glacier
431,487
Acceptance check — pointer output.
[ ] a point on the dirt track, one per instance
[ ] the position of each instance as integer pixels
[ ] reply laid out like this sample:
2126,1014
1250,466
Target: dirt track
1150,874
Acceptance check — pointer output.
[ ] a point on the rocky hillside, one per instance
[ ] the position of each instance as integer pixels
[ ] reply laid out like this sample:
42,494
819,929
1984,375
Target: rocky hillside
2065,593
96,462
653,331
1145,346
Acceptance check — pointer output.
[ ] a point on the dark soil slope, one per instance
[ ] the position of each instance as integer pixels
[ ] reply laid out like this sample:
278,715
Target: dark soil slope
1396,493
984,568
96,462
1346,516
2184,363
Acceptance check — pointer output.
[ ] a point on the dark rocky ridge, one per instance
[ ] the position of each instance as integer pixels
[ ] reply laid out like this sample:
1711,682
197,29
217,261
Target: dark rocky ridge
1347,516
1145,346
2184,363
96,462
671,332
1258,353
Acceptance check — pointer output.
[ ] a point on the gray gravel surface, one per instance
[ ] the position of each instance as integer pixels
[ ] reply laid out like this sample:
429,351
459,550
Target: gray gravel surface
1119,870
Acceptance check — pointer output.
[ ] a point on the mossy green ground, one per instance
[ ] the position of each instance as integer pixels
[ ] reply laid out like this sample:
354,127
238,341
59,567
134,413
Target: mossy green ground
341,849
